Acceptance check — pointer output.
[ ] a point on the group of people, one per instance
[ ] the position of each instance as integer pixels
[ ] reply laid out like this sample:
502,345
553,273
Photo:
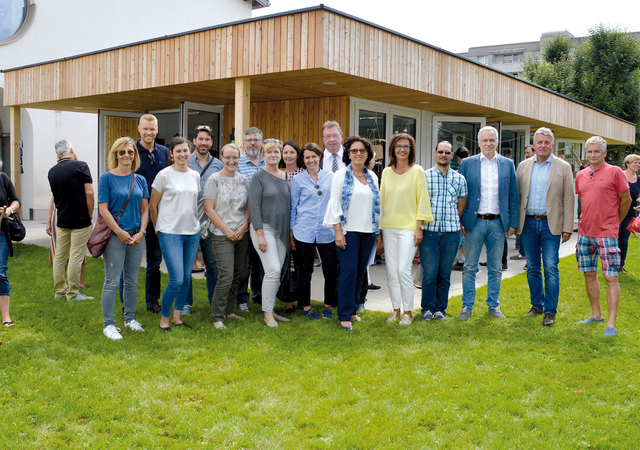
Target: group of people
256,213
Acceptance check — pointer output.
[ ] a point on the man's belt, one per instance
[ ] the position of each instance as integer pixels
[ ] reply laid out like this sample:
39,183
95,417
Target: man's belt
537,216
489,216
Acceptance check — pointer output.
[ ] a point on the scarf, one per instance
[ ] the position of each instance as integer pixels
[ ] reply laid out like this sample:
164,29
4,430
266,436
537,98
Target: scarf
347,190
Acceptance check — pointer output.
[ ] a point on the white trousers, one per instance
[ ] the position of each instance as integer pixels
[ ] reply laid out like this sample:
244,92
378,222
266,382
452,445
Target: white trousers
272,261
398,255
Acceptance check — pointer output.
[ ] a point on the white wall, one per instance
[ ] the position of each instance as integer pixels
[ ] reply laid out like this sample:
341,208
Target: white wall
64,28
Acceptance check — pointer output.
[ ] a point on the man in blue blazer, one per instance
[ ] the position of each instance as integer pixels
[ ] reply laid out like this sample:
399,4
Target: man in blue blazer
491,212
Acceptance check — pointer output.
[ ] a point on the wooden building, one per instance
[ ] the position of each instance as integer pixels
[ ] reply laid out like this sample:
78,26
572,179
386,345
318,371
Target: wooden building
290,72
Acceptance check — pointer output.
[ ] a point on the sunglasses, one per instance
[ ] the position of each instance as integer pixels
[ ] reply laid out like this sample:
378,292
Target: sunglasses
202,128
278,141
358,150
152,159
442,152
126,152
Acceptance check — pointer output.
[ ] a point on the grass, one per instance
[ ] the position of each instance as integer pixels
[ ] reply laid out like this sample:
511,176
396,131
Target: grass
481,383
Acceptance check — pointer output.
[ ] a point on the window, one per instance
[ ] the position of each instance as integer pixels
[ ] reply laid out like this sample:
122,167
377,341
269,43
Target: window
483,60
510,59
13,15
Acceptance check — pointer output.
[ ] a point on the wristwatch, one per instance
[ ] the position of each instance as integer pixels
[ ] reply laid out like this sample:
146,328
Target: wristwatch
144,232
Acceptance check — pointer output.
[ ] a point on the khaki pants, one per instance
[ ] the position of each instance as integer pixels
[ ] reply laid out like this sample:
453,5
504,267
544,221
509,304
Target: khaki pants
71,245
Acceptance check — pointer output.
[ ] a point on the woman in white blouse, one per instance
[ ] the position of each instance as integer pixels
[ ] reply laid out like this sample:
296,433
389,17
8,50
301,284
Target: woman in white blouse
354,213
173,208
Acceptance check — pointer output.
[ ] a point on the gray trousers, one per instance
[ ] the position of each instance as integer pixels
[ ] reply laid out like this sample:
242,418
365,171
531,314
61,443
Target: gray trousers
230,259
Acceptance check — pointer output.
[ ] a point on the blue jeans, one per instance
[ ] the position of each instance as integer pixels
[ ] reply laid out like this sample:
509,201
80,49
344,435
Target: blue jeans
353,271
179,252
537,241
154,259
5,289
437,254
490,234
210,270
120,259
623,238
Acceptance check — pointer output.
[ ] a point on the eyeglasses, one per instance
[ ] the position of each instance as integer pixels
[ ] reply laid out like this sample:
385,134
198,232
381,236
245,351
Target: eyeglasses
442,152
152,159
253,141
358,150
331,136
317,188
126,152
277,141
403,147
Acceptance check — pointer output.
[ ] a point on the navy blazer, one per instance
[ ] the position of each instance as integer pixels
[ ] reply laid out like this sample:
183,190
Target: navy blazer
508,197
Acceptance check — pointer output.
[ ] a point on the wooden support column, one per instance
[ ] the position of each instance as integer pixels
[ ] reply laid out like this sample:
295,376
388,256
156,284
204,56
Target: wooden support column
14,141
242,107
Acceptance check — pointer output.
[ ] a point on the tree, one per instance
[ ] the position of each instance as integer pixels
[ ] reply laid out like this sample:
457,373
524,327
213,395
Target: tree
555,70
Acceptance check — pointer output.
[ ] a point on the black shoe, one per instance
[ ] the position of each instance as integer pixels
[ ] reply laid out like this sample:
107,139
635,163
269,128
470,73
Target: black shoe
504,267
458,267
154,309
374,287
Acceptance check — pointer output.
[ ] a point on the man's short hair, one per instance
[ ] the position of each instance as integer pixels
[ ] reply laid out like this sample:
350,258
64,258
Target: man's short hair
597,140
202,128
253,130
489,128
462,152
442,142
331,124
148,118
63,146
545,132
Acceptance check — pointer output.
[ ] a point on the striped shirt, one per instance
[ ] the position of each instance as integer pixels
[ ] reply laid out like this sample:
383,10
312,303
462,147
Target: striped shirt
444,192
247,168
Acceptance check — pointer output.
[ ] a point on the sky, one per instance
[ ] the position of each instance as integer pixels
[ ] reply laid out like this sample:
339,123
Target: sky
456,25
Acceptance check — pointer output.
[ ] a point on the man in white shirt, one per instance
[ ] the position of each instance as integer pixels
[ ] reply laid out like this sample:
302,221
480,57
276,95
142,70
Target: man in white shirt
333,150
491,212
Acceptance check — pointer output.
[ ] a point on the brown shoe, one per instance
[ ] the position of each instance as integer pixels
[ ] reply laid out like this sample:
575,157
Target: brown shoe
533,312
548,320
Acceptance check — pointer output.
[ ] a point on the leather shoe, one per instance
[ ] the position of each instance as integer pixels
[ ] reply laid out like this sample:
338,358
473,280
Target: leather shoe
154,309
533,312
548,320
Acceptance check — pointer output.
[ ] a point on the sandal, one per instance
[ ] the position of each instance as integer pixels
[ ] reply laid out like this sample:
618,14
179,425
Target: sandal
9,324
182,324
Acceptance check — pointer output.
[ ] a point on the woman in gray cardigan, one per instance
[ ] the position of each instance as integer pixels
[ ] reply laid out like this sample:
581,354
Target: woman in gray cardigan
269,207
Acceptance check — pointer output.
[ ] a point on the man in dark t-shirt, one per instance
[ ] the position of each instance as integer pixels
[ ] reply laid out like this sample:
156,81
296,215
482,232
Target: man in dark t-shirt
153,158
72,189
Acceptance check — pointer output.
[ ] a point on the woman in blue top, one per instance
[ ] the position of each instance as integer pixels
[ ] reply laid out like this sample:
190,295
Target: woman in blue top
310,192
124,249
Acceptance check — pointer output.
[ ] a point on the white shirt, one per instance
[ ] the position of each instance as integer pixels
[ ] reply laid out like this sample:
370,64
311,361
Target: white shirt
489,199
178,207
360,207
327,160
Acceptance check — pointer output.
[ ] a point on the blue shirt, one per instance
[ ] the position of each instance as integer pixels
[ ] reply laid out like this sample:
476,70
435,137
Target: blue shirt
308,206
444,192
114,190
247,168
537,202
214,167
152,163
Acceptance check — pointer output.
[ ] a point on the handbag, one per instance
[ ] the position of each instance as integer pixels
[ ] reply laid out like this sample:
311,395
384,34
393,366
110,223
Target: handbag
15,227
101,232
634,226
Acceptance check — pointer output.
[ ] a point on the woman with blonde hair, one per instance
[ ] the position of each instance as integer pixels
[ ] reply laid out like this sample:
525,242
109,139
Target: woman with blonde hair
123,204
631,167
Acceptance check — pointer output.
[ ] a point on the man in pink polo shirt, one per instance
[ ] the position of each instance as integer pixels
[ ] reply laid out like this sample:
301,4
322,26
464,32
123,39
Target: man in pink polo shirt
604,192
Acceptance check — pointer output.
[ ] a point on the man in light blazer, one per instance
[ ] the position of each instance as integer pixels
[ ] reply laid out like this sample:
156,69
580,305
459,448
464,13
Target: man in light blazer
545,183
491,212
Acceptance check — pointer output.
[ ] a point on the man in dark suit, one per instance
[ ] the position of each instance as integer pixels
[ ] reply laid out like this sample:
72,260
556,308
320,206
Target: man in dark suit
491,212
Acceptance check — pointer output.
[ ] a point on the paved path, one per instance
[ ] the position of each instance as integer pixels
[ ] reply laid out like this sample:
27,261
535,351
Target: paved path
376,300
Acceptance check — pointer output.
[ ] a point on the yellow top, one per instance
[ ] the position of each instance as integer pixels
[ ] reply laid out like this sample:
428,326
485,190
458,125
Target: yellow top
404,199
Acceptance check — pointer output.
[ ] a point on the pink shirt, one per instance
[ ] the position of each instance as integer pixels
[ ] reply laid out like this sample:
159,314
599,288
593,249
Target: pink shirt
599,191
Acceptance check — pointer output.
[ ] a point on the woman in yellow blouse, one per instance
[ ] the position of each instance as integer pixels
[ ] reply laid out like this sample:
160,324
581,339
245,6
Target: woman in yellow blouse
405,208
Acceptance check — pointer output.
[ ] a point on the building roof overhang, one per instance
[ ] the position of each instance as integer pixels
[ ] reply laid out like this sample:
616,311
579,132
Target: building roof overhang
312,52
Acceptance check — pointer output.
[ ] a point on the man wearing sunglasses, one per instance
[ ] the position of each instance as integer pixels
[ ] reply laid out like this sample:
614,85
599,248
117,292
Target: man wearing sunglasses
203,162
441,238
153,158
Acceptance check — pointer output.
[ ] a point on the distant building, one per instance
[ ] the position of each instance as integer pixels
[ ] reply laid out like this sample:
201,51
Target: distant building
510,58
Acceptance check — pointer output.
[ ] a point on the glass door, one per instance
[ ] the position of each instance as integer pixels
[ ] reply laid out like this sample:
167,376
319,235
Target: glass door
513,140
194,114
373,126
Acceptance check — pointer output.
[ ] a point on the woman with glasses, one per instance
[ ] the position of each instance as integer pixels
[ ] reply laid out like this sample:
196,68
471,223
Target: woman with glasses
269,209
225,204
174,211
121,188
310,193
405,208
354,213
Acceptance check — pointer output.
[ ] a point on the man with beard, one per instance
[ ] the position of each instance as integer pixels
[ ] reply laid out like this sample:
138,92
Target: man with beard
250,162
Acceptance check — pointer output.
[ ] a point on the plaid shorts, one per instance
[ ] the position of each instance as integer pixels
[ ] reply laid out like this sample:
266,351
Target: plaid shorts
588,249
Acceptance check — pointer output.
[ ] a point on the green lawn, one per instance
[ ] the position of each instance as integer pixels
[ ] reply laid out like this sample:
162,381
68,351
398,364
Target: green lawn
481,383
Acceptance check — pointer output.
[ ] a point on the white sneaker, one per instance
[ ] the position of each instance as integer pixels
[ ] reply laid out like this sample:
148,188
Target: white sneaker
243,307
393,317
79,297
406,320
134,325
111,332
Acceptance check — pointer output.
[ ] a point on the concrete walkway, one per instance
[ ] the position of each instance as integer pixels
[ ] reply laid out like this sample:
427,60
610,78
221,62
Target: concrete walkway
376,300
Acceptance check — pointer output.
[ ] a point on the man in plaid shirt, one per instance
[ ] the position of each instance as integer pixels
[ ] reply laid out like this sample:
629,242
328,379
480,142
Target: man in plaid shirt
441,238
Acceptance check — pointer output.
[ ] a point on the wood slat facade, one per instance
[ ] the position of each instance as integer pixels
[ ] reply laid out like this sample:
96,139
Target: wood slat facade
288,58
